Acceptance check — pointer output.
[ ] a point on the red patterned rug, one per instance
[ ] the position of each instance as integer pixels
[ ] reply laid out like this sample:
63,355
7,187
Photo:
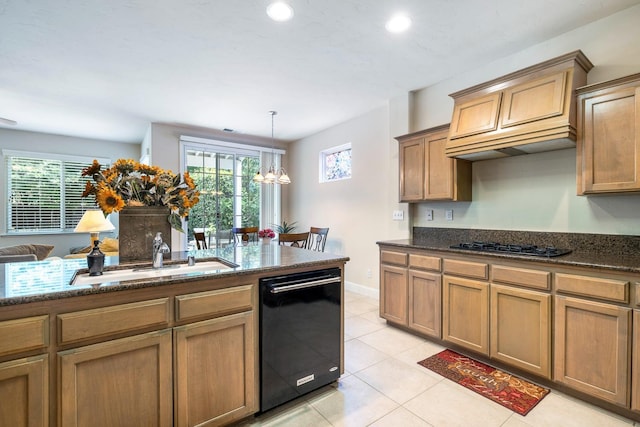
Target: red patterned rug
508,390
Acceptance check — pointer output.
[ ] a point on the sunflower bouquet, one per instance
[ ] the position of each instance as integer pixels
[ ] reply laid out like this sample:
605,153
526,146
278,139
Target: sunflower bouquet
130,183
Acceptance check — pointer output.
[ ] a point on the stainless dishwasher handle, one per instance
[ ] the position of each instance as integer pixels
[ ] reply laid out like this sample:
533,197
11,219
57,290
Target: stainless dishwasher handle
304,285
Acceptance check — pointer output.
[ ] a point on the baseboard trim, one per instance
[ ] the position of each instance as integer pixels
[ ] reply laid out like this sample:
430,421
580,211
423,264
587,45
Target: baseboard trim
362,290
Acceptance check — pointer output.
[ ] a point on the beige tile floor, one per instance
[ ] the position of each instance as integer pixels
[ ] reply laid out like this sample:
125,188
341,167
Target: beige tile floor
383,386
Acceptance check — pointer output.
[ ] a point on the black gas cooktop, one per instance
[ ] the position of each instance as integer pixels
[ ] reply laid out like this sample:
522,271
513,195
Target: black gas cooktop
532,250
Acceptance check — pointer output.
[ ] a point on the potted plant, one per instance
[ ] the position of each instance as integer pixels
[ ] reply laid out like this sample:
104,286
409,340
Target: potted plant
284,227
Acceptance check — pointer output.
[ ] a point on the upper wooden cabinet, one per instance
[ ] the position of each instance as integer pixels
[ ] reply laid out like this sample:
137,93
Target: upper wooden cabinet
529,111
608,148
426,173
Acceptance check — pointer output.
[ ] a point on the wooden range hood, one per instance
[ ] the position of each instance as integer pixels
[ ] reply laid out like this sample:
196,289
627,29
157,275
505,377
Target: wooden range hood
528,111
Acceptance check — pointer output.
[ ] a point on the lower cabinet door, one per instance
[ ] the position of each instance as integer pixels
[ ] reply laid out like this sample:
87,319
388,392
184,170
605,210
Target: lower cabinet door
592,348
425,300
635,368
393,294
465,319
521,329
24,392
216,370
124,382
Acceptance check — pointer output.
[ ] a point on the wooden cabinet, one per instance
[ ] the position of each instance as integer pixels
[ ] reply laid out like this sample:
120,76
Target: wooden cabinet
592,348
24,392
425,294
426,173
465,313
521,328
635,366
216,360
127,381
528,111
608,148
393,286
215,377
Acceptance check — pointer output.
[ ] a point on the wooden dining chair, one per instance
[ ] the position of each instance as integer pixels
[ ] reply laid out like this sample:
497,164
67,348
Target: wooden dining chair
317,238
296,240
201,241
244,235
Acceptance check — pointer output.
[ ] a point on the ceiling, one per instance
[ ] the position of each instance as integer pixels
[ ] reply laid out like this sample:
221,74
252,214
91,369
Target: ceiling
106,69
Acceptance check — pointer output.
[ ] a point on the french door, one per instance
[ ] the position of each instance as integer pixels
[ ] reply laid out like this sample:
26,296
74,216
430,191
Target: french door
228,196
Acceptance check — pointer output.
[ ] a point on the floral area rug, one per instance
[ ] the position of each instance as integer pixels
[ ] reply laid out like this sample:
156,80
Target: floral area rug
508,390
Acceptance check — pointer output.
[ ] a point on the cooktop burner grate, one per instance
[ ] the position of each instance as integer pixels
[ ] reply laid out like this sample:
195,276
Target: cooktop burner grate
532,250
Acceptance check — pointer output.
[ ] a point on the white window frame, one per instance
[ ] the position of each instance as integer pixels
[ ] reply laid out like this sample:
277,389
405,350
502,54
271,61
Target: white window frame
322,176
10,154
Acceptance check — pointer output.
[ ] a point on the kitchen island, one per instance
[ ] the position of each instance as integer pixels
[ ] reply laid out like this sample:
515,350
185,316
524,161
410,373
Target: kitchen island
570,321
180,349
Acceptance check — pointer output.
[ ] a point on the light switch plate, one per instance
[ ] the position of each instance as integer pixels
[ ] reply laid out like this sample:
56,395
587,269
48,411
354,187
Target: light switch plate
398,215
429,214
448,214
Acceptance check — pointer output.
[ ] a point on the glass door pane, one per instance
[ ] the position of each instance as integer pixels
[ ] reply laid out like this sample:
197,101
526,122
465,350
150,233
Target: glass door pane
229,197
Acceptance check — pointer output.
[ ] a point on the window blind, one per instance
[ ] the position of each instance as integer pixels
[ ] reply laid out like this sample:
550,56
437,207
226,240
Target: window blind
44,194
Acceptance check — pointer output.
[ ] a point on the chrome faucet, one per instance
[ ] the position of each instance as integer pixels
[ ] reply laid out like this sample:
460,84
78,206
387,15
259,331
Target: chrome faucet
159,249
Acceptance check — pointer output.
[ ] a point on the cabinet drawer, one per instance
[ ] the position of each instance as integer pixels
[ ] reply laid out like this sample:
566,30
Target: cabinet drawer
25,334
397,258
476,270
214,303
607,289
520,276
117,319
425,262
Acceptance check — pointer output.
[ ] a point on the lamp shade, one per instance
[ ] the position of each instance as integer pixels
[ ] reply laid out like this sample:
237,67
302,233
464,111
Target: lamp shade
93,221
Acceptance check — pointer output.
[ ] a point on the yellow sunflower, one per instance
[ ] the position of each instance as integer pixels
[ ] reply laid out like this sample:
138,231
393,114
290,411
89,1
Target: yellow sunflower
108,200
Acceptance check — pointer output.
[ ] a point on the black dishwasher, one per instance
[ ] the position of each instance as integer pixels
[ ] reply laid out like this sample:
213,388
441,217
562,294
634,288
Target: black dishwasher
299,334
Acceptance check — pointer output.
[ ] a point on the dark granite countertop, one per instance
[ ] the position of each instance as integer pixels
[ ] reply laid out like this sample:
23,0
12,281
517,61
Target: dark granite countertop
601,251
26,282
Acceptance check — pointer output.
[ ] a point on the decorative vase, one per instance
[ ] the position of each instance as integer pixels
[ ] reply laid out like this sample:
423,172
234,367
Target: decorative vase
138,227
266,240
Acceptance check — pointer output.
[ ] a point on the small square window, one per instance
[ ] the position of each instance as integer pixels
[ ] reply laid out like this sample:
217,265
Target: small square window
335,163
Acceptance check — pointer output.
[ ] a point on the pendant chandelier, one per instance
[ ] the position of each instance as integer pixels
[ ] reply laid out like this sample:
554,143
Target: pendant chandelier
272,176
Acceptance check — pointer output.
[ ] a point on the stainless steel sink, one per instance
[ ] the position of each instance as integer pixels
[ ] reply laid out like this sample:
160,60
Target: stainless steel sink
149,273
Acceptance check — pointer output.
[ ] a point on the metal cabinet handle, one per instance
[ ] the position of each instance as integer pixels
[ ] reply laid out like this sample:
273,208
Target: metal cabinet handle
304,285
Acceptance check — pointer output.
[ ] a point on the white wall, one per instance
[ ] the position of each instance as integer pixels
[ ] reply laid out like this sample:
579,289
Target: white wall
357,210
535,192
58,144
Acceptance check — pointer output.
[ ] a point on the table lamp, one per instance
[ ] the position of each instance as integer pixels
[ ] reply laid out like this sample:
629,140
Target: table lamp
93,221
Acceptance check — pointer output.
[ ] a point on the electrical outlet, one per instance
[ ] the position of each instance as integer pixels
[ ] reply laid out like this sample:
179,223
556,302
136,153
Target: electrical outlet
429,214
398,215
448,214
369,273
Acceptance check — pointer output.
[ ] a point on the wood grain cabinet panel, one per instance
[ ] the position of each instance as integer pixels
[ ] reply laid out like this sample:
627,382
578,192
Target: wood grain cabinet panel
635,367
393,294
216,371
108,321
592,348
124,382
521,328
536,279
20,335
608,149
596,287
476,270
214,303
534,100
425,299
426,173
465,306
425,262
24,392
477,115
528,111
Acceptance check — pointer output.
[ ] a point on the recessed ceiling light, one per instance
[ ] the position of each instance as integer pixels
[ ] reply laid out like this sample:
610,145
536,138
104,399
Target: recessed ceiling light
280,11
398,23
